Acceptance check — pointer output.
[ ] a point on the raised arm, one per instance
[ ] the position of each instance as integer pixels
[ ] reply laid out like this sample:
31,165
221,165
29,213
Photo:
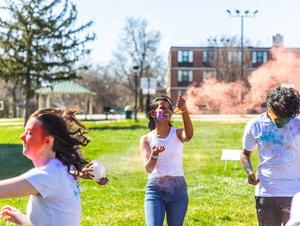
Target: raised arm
246,162
186,133
149,156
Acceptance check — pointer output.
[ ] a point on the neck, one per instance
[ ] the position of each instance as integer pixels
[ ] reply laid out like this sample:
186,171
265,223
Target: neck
44,158
162,130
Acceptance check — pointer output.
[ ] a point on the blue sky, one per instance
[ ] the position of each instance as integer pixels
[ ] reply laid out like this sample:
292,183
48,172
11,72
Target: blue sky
190,22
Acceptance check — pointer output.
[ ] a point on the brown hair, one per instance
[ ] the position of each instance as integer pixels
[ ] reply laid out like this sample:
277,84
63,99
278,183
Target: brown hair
68,133
154,105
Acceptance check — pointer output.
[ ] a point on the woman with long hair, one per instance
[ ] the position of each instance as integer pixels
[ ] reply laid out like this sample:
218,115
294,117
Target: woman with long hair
51,140
161,149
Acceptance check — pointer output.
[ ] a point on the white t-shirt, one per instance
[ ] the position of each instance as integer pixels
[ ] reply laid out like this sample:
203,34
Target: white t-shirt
169,162
279,155
58,202
295,211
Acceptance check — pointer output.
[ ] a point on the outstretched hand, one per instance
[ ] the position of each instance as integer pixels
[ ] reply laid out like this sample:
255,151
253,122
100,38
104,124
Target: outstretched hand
86,174
11,214
86,170
158,149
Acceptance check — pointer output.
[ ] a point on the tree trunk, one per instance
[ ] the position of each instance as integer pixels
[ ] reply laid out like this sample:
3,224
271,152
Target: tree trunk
27,98
14,96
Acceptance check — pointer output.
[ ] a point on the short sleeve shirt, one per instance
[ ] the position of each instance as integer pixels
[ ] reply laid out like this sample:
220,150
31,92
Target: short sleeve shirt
58,202
279,155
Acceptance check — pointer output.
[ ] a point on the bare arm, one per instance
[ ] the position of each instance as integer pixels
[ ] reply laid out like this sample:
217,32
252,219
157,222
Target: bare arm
246,162
149,156
16,187
186,133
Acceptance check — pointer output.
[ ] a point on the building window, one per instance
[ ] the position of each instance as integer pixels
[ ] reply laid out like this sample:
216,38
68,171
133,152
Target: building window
185,56
234,56
208,55
185,76
259,57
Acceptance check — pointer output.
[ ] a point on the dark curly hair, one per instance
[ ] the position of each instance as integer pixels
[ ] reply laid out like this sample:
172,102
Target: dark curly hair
154,105
284,102
68,133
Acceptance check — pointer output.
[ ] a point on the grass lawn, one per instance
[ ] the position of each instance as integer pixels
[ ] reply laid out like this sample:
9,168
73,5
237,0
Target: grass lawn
216,197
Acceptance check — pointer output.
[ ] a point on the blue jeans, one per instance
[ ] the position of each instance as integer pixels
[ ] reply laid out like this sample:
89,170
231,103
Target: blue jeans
166,195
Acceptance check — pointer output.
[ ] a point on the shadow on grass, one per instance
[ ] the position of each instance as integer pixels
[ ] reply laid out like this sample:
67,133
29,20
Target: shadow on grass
132,127
12,161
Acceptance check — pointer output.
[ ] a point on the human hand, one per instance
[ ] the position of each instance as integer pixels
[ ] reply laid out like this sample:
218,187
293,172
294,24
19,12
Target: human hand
86,170
11,214
181,104
252,179
158,149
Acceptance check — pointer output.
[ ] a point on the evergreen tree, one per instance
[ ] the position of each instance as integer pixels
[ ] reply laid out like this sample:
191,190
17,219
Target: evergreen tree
40,41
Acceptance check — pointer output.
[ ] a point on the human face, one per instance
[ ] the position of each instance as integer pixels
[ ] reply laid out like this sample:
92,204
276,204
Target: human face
279,122
163,112
34,139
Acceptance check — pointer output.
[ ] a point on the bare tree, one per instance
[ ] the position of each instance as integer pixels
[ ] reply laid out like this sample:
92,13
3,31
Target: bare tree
138,47
227,59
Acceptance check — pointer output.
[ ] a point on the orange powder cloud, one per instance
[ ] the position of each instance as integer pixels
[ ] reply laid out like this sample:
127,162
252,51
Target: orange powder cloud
238,98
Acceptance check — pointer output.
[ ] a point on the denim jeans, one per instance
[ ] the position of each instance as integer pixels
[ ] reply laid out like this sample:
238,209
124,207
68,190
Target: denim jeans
273,211
166,195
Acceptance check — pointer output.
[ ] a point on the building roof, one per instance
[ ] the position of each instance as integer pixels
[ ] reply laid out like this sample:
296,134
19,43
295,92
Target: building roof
64,87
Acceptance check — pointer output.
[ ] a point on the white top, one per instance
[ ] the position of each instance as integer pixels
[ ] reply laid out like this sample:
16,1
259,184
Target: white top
58,202
295,211
169,162
279,155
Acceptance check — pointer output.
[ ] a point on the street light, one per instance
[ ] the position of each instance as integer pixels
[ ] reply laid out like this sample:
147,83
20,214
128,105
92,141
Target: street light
242,15
135,70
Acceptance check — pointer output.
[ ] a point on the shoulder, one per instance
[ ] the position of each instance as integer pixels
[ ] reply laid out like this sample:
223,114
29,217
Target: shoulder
145,138
260,119
52,168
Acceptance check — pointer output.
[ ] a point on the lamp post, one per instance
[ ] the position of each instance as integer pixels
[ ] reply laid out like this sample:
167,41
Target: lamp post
242,15
135,69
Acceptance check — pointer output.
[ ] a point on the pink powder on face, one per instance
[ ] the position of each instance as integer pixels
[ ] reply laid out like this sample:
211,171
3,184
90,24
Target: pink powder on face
159,114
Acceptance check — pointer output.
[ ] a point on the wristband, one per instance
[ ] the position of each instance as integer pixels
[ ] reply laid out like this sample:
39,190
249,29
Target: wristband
184,110
154,155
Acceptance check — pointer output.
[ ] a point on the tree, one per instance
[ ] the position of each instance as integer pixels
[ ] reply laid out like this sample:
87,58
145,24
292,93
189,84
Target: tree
138,47
227,60
39,41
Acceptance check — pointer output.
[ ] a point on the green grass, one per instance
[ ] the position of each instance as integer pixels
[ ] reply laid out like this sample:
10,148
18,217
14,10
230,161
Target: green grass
216,197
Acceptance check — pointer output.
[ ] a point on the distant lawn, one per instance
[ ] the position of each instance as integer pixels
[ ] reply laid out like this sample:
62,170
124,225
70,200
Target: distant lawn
216,197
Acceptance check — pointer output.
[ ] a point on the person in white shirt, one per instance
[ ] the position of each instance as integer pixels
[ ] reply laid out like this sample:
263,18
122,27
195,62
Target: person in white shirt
161,150
276,134
295,211
51,140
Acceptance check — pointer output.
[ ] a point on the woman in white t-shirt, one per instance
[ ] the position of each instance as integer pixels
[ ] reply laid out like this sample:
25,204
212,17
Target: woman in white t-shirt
51,139
161,149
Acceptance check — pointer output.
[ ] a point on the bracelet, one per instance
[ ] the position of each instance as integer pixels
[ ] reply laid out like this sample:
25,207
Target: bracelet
155,156
184,110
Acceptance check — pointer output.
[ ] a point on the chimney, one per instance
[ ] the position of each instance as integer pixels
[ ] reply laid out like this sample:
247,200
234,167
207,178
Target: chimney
278,40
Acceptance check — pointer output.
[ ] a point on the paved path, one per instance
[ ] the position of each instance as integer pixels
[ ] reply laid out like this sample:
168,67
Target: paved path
102,117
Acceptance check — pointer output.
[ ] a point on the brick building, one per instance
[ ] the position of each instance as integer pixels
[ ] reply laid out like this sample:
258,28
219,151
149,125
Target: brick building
188,65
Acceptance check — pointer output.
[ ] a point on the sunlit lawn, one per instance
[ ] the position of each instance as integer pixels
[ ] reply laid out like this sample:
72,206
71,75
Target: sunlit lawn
216,197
